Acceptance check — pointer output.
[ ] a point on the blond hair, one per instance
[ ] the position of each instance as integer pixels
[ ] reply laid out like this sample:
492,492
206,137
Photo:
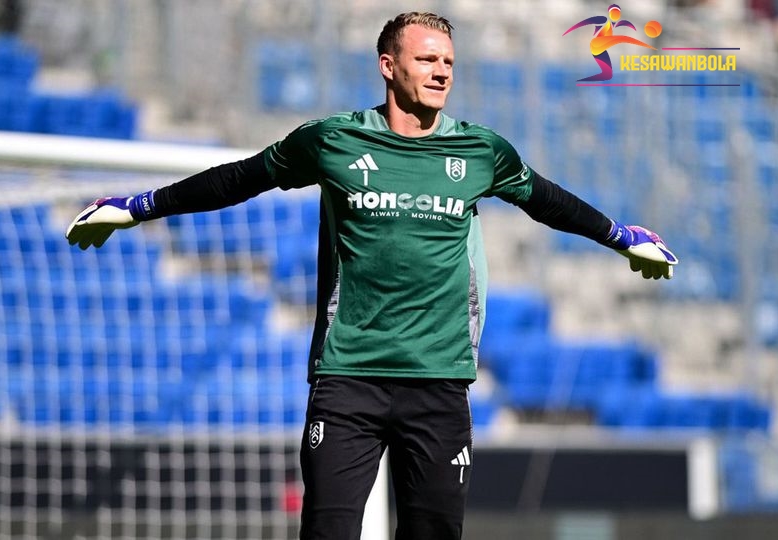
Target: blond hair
389,39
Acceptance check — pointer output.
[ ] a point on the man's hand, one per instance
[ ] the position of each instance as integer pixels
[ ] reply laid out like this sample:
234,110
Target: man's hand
646,251
96,222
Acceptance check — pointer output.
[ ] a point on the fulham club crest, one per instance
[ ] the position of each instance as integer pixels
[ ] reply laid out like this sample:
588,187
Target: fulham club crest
315,434
456,168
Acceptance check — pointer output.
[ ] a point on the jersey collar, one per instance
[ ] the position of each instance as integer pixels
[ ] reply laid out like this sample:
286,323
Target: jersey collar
375,120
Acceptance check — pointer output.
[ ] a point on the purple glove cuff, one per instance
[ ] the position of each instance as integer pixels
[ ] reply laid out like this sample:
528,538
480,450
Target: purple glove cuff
620,237
141,206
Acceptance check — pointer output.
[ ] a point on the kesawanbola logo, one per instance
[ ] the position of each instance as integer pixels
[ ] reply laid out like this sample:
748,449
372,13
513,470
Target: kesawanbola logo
315,434
604,39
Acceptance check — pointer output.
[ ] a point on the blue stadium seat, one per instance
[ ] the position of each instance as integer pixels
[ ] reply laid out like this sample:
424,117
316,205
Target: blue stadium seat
726,274
102,113
525,370
760,122
286,76
294,270
543,373
709,127
352,90
129,402
259,349
18,110
516,310
500,76
649,408
87,399
249,400
250,228
622,407
512,316
483,410
748,412
33,215
15,340
717,172
211,298
557,80
26,396
18,63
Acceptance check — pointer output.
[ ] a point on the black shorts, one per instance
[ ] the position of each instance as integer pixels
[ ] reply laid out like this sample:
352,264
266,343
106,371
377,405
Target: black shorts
425,424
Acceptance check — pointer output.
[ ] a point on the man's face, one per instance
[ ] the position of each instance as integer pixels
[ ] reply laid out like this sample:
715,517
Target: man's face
422,70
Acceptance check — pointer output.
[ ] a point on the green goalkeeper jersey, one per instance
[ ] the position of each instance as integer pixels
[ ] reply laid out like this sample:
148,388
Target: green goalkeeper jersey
401,271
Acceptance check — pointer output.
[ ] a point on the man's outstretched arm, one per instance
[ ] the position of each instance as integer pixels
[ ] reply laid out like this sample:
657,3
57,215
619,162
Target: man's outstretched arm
212,189
556,207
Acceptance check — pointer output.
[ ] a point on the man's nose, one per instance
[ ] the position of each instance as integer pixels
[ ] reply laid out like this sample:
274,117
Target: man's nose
442,70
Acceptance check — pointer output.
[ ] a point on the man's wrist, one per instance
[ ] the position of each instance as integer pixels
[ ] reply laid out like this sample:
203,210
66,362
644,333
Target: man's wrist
141,206
619,237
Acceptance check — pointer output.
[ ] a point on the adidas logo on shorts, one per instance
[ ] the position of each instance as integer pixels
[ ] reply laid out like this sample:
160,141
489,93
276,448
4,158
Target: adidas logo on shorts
462,460
463,457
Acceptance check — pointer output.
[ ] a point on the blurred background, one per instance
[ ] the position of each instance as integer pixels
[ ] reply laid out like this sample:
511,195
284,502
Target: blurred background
156,388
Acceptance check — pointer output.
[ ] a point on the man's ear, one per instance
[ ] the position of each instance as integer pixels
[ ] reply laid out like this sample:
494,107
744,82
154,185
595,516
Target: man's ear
386,66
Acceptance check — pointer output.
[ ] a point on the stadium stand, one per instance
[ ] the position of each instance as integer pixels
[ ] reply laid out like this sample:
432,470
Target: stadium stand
194,329
99,113
534,369
205,351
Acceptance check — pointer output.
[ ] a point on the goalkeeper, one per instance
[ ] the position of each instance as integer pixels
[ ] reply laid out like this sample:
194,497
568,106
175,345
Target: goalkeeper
395,342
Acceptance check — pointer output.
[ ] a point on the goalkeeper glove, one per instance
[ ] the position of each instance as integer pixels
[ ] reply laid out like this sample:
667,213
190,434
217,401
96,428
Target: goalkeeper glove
645,250
96,222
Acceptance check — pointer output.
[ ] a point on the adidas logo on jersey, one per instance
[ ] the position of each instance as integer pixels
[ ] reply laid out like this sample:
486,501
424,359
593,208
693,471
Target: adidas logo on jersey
365,163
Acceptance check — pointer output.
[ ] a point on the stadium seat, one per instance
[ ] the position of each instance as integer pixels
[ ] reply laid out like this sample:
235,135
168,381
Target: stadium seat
18,110
285,76
501,76
559,80
244,400
255,348
211,297
511,317
548,374
623,407
709,126
102,114
96,400
516,310
483,410
649,408
18,63
758,120
294,270
248,228
351,90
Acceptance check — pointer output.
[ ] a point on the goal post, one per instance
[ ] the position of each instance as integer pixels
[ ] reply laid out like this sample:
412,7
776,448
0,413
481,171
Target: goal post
109,154
154,387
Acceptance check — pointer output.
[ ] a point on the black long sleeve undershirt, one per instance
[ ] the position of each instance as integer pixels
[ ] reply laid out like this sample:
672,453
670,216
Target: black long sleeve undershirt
214,188
556,207
234,183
